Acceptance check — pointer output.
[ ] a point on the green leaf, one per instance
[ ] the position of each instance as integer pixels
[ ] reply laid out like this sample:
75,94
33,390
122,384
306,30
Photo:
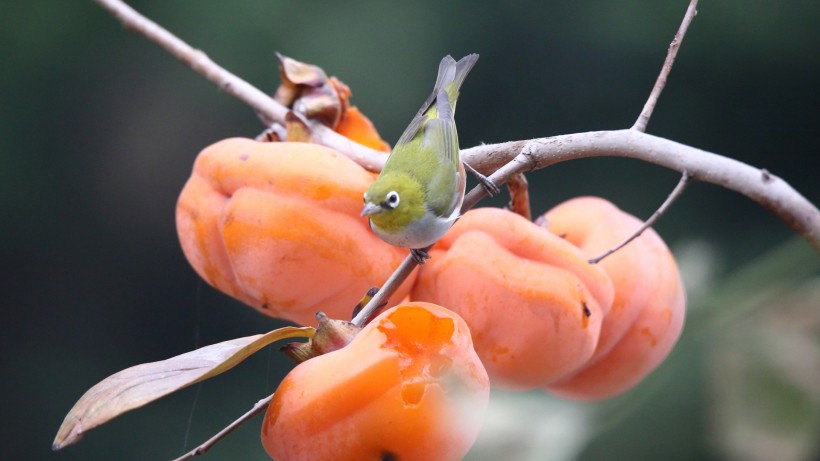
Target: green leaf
142,384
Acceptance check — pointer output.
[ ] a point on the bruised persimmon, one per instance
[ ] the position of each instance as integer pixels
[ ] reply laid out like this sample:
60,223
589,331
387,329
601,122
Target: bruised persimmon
409,386
533,303
647,314
277,226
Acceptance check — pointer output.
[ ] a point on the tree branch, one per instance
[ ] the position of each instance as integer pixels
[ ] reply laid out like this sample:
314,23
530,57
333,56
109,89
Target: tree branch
671,53
203,448
766,189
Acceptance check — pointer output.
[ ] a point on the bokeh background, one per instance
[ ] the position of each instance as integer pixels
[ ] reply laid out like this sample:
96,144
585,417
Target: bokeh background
99,129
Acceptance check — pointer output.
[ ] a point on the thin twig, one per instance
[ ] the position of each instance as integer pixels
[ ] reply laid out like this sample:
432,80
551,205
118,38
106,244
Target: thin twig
660,83
205,446
676,192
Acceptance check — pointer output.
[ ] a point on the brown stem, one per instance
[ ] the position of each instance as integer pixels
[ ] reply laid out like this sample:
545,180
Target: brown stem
660,83
205,446
676,192
519,196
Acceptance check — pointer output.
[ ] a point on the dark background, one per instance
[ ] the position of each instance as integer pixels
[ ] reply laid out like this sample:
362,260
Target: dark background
99,129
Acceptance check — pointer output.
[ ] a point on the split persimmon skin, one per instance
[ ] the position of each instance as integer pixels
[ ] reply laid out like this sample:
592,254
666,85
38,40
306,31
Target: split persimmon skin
277,225
647,314
533,303
408,387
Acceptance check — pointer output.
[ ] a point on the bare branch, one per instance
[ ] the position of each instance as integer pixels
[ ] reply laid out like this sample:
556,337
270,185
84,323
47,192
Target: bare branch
205,446
660,83
768,190
676,192
200,63
765,188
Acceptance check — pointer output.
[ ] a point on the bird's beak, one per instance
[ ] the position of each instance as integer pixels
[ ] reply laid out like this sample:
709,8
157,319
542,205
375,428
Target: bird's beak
370,209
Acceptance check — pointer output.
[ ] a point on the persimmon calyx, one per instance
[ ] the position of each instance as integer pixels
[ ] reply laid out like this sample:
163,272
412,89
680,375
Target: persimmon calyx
330,335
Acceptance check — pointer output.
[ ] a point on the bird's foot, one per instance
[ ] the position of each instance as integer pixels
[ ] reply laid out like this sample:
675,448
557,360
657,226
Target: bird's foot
489,186
420,255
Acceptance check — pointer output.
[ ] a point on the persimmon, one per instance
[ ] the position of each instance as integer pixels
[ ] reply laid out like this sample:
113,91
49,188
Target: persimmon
356,126
647,314
541,315
277,225
533,303
409,386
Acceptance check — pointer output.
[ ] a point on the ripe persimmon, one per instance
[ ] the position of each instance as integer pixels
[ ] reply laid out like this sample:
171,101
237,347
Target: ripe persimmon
277,225
409,386
647,314
541,315
533,303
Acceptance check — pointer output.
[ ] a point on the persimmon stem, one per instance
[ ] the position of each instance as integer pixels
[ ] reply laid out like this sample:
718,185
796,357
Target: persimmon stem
519,196
671,53
676,192
203,448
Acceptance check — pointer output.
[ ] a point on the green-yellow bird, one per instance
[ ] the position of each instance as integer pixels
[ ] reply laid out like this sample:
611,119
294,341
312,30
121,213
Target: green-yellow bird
418,195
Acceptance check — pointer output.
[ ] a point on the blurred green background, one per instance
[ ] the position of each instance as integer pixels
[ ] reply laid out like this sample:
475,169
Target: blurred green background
99,129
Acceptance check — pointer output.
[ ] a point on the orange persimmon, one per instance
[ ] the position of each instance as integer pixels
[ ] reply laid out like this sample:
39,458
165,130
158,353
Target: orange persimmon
533,303
409,386
356,126
277,225
647,314
541,315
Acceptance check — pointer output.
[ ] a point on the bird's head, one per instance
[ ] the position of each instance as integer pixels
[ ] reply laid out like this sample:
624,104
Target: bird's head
394,201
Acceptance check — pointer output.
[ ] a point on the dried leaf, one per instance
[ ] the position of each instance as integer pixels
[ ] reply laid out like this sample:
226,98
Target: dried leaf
308,90
142,384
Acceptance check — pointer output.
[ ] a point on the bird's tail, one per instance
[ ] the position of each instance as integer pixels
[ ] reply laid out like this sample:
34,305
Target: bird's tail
451,75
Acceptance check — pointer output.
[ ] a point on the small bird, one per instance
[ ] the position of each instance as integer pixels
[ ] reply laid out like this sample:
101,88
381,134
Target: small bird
418,195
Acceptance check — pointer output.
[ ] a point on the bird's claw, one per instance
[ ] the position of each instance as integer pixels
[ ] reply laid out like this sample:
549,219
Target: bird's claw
420,255
488,185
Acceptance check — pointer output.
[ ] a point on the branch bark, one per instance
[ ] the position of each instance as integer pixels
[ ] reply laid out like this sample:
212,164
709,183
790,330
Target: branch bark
768,190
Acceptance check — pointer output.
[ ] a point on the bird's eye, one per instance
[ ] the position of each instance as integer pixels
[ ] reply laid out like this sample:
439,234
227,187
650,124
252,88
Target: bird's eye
392,199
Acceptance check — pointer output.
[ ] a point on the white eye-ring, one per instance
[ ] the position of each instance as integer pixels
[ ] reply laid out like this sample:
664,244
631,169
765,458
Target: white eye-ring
392,199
